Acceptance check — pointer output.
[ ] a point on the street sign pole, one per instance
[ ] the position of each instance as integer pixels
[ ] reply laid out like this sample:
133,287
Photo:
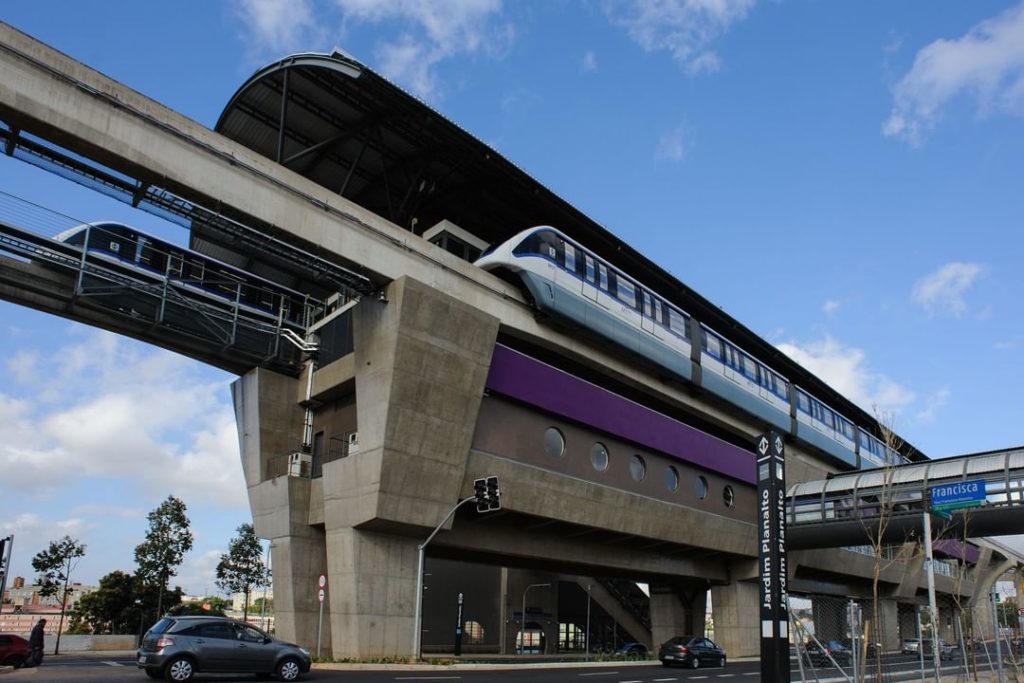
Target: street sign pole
771,489
320,626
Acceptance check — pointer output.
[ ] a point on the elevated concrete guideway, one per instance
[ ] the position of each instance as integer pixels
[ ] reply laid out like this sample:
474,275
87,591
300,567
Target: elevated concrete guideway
435,392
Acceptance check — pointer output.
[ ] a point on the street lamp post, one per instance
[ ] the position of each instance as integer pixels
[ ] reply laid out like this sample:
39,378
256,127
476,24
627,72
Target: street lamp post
522,629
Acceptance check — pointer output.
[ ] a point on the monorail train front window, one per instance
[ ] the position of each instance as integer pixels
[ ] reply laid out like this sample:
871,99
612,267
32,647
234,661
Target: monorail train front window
570,258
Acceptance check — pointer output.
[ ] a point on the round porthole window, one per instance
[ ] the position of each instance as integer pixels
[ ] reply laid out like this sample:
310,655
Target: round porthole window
599,457
554,442
671,478
729,496
700,487
637,468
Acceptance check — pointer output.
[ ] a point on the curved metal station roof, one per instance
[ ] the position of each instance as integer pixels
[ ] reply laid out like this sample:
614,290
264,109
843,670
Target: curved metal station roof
337,122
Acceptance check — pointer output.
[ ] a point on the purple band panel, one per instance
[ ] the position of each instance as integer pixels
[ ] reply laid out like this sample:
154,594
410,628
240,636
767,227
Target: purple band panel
528,380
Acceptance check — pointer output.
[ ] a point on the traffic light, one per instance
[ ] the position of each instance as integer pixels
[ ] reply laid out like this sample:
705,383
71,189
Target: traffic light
480,493
493,494
487,494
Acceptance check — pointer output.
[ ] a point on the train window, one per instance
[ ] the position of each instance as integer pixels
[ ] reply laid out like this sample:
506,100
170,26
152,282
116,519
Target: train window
647,305
749,367
570,258
554,442
657,312
700,487
679,323
590,269
625,291
845,426
637,468
713,345
602,272
671,479
803,401
599,457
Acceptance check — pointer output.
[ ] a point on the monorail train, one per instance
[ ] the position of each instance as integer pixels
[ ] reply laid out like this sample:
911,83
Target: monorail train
148,255
565,280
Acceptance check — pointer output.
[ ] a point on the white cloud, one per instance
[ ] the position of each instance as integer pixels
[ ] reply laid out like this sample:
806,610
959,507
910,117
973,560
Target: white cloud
280,26
831,306
428,32
675,144
846,370
933,404
985,65
111,410
944,289
684,28
589,61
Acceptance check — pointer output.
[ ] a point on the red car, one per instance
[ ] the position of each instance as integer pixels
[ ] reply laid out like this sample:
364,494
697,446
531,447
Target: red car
13,650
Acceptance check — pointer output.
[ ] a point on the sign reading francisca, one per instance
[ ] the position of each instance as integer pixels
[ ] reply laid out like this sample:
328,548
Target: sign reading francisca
962,494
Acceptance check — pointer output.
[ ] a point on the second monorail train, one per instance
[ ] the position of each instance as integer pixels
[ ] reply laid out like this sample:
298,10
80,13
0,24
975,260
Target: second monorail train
151,256
565,280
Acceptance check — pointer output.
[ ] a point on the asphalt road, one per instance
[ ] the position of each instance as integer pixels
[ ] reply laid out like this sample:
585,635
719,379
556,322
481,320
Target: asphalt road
74,669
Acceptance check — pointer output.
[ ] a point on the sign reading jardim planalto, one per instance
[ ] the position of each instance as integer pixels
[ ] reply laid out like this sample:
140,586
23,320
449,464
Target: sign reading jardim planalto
961,494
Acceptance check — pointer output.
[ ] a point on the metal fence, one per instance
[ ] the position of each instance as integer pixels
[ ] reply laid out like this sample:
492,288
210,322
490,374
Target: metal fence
858,640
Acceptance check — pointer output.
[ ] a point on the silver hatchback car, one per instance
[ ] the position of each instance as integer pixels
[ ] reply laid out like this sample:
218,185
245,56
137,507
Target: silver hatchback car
177,648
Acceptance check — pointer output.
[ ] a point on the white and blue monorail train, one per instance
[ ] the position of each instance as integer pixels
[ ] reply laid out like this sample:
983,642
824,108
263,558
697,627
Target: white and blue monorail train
567,281
150,256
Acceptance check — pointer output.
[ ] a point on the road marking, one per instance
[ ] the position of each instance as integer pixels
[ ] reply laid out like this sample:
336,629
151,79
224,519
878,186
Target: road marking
752,673
601,673
663,679
113,663
693,678
631,682
427,678
726,675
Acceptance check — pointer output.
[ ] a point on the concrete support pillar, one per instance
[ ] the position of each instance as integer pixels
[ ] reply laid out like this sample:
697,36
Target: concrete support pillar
269,424
676,610
888,631
372,580
906,615
830,618
737,621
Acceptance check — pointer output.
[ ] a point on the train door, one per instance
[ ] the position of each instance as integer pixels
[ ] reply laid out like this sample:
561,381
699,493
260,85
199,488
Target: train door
647,314
588,282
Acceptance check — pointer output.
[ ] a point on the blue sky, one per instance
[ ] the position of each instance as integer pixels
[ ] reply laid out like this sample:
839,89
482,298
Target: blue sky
843,178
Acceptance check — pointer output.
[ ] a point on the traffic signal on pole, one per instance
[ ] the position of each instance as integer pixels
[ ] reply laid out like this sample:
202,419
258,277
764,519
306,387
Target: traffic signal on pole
487,494
493,494
480,493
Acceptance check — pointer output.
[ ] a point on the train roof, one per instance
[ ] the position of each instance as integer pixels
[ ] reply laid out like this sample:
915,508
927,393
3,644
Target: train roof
351,130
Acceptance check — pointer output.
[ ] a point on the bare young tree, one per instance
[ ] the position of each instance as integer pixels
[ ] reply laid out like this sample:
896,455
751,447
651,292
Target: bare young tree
55,565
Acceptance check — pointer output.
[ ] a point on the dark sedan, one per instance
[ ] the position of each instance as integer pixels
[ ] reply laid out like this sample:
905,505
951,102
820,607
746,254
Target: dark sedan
691,651
824,654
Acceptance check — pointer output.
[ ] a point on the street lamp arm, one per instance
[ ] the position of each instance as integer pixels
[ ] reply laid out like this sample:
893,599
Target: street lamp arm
417,628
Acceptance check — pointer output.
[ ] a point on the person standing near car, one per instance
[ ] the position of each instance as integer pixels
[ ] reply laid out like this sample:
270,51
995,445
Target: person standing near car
35,643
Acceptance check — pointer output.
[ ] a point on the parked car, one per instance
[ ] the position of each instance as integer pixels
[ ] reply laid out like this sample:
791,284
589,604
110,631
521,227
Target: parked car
910,646
946,651
820,654
177,648
13,650
631,651
872,648
691,651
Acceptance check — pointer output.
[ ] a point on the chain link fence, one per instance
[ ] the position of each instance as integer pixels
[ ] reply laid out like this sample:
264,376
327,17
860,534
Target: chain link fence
861,640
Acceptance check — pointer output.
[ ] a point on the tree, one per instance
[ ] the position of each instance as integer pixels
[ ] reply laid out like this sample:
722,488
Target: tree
241,568
107,609
54,566
163,551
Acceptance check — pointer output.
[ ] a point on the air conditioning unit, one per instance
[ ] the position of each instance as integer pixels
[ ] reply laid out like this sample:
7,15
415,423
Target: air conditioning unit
299,464
353,443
